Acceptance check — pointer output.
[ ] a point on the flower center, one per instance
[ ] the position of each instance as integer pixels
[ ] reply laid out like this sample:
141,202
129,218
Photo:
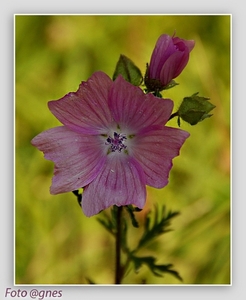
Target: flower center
117,142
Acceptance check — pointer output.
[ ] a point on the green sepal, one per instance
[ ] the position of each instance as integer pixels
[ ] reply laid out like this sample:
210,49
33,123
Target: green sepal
155,85
170,85
128,70
194,109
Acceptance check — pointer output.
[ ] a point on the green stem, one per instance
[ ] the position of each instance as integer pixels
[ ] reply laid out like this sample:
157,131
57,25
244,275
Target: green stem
173,115
118,270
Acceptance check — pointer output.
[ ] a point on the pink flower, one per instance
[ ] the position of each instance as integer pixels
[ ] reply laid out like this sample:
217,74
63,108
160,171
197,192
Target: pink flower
170,56
113,142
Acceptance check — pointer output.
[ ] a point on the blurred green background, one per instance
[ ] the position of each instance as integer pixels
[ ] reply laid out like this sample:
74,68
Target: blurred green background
54,242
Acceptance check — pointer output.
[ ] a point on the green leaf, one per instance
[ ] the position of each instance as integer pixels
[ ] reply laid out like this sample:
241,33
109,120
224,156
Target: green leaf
130,209
128,70
157,270
109,222
161,222
194,109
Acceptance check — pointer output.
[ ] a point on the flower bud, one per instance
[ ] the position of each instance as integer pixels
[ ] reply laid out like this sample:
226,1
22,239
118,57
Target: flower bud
170,56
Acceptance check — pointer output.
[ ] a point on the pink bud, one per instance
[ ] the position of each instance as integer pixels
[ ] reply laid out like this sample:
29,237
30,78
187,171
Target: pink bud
169,58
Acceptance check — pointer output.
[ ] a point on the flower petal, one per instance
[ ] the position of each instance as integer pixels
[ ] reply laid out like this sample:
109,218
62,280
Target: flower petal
121,182
173,66
155,149
163,49
78,159
190,44
134,110
86,110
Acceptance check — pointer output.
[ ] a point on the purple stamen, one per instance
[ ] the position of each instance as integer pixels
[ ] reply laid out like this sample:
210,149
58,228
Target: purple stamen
117,142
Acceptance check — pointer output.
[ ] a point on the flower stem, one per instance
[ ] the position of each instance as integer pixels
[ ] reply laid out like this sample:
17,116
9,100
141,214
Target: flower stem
118,270
173,115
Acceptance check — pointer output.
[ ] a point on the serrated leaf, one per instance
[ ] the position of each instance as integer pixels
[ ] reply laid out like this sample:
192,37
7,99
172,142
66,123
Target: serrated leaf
109,222
157,270
161,222
130,209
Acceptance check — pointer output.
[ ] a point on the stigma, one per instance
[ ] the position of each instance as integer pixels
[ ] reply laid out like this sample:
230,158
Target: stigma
116,142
